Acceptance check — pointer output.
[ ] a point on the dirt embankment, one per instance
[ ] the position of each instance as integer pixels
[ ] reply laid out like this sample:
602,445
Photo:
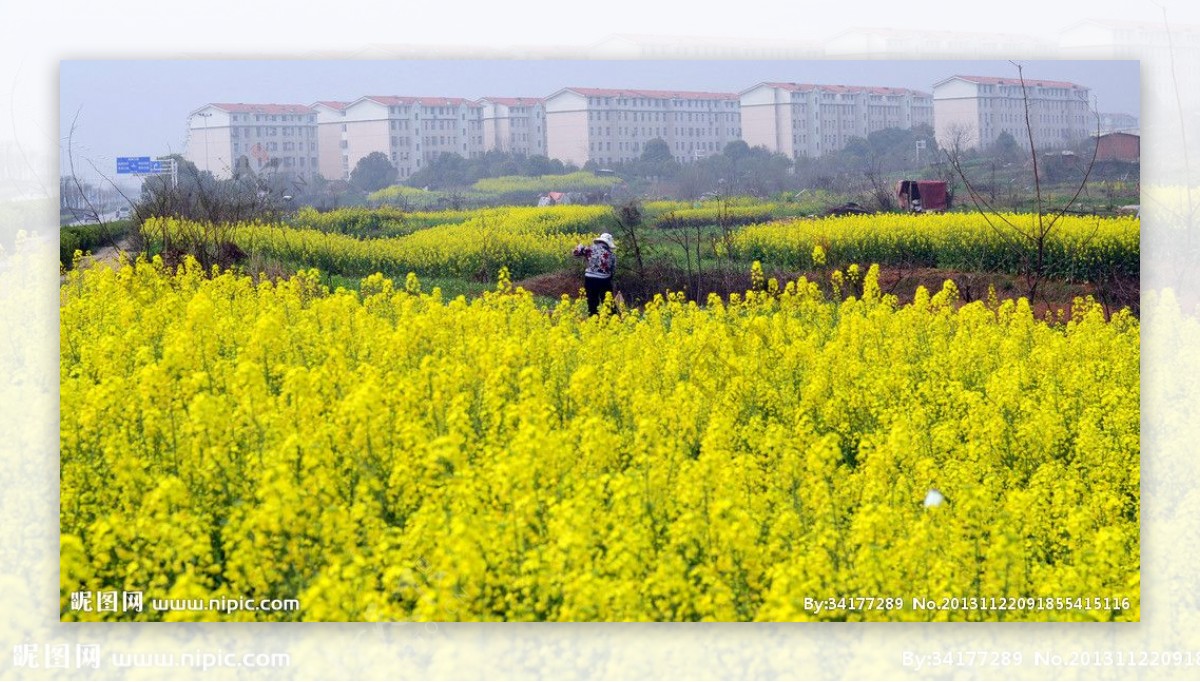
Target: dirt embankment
107,256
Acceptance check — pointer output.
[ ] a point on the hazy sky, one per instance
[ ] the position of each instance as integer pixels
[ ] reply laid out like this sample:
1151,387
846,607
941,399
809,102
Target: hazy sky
140,108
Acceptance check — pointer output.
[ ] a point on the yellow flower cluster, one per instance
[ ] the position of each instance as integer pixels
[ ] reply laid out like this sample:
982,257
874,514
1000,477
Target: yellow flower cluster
580,181
381,221
527,240
391,455
664,206
401,192
1079,248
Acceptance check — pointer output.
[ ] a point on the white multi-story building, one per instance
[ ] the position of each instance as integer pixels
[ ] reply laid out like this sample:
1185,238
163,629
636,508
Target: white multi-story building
673,46
1118,123
410,131
972,111
450,125
379,124
806,120
614,125
276,138
331,133
876,43
513,124
1169,54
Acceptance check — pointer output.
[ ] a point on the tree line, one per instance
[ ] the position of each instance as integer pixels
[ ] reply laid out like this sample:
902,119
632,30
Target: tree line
736,169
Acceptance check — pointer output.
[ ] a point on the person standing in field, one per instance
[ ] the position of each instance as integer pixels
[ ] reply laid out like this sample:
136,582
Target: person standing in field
601,264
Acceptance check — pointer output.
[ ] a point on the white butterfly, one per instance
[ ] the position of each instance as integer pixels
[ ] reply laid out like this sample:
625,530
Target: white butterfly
934,498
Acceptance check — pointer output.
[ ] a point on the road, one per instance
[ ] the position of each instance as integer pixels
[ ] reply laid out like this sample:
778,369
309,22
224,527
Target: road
104,217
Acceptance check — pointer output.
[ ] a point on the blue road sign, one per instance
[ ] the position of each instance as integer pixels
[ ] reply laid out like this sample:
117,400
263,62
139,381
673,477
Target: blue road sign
137,164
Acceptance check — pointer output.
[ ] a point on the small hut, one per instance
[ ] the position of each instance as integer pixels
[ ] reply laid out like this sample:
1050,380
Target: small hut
923,195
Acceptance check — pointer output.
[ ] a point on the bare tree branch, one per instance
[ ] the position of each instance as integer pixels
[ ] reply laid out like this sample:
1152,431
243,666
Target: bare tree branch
1031,248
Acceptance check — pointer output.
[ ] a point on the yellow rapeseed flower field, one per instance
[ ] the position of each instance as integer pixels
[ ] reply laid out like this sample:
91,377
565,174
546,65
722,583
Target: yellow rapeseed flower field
1078,248
391,455
527,240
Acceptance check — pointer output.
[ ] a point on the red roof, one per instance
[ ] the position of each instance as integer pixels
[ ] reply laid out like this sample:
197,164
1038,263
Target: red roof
241,108
652,94
874,90
394,100
993,80
390,100
443,101
333,104
513,101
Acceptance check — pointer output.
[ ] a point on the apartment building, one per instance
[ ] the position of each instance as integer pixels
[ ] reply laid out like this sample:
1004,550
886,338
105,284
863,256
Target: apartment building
918,43
1119,123
278,138
972,111
331,153
1175,47
613,125
674,46
808,120
450,125
410,131
513,124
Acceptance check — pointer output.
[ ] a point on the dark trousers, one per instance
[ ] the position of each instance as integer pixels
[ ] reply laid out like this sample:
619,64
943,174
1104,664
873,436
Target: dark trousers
596,287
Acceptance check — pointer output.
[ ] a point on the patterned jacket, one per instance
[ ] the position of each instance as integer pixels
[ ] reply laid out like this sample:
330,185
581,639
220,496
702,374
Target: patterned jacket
601,261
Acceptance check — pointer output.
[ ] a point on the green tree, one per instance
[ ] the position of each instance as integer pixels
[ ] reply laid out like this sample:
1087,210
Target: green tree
242,168
542,165
1005,148
656,151
735,150
447,171
373,172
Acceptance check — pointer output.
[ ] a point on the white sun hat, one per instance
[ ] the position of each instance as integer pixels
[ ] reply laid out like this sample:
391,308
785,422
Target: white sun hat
607,239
